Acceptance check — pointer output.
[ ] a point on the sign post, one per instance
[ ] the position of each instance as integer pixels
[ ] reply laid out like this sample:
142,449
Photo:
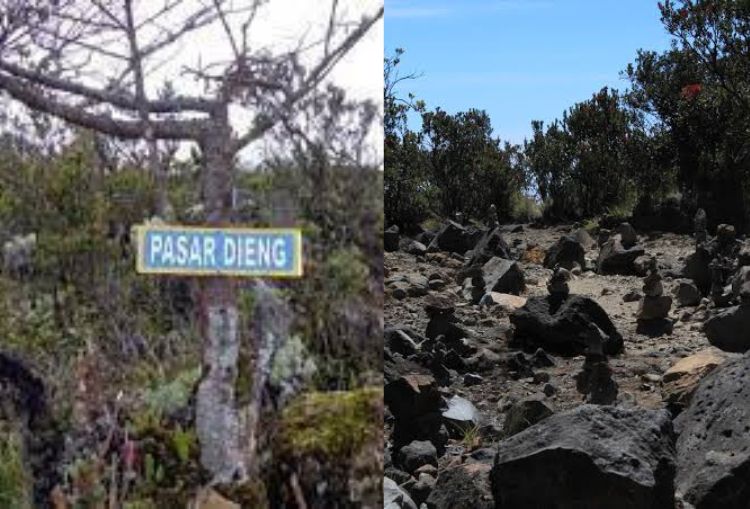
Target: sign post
198,251
221,254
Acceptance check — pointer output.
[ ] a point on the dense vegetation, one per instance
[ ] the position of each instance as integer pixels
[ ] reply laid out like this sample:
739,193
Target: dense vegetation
119,353
676,140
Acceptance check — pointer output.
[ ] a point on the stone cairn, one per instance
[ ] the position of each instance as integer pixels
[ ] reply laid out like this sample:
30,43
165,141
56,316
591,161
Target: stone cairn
654,305
721,271
557,286
721,266
595,380
700,224
493,222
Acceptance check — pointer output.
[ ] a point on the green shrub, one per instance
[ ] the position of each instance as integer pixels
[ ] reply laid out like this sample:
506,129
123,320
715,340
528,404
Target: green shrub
15,482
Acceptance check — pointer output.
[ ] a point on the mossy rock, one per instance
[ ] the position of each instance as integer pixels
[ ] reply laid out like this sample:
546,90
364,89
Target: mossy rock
333,442
330,424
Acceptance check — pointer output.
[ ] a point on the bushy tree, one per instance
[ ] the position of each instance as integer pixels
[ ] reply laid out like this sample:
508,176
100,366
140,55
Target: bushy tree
470,168
698,94
405,180
583,164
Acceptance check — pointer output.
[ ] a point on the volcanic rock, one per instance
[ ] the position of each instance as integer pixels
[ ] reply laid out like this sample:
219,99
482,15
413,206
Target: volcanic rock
588,458
570,327
713,449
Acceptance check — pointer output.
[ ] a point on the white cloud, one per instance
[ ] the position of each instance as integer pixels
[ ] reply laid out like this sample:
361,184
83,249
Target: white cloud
420,9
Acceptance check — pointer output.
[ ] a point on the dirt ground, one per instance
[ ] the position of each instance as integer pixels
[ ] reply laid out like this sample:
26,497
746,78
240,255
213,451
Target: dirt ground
637,371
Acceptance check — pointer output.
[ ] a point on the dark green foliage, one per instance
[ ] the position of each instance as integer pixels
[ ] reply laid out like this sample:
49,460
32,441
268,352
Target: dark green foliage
469,167
406,186
698,93
453,164
585,164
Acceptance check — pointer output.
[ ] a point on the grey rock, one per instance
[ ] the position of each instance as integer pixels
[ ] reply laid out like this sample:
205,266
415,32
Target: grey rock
455,238
728,329
413,247
565,253
686,293
569,327
415,454
588,458
628,235
490,245
615,258
504,276
713,449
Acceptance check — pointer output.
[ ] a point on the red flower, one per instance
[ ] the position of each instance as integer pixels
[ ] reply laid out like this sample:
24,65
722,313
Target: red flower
690,91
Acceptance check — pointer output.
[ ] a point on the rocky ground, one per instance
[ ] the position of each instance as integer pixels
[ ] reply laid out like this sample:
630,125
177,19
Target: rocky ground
488,389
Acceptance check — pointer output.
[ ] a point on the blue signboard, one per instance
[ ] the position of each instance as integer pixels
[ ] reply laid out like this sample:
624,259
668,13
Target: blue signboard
219,251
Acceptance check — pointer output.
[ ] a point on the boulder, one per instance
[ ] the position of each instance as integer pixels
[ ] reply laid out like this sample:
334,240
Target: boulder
463,486
588,458
391,238
728,330
697,268
442,321
394,497
416,404
569,327
490,245
455,238
681,380
686,293
503,276
614,258
583,238
725,233
632,296
566,252
511,228
713,449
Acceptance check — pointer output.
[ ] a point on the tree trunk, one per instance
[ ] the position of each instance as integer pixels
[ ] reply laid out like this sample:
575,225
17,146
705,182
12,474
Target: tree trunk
217,422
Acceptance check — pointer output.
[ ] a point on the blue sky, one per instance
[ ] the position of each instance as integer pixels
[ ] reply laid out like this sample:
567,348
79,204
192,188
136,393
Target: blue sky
519,60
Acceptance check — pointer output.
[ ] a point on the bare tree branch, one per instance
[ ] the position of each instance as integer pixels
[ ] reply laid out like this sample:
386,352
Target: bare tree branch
318,74
33,98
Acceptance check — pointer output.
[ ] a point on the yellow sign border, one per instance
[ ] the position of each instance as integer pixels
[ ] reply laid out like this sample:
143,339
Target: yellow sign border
140,235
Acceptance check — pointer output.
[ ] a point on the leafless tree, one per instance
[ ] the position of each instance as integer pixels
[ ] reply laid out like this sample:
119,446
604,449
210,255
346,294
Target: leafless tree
91,63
